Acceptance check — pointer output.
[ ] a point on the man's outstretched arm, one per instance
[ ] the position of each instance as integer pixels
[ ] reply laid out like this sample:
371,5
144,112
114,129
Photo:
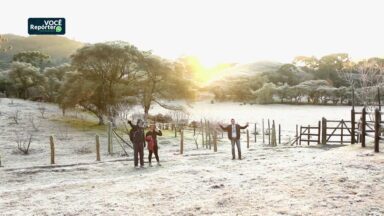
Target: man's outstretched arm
130,123
243,127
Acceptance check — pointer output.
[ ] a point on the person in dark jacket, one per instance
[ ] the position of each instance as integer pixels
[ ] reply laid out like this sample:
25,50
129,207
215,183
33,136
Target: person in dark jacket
151,138
233,131
138,142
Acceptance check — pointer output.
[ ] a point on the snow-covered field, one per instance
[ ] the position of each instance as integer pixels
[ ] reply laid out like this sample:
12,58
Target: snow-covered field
284,180
286,115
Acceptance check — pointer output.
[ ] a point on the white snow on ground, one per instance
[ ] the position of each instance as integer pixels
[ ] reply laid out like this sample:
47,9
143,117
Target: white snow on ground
284,180
286,115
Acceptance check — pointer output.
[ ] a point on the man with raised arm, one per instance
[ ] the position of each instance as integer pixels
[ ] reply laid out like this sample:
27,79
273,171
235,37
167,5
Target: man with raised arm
138,141
233,131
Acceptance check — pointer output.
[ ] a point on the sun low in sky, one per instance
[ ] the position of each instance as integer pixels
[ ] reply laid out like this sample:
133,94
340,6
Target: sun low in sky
216,31
205,73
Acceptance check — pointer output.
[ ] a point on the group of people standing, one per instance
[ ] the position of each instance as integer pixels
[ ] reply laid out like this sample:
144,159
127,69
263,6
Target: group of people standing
139,139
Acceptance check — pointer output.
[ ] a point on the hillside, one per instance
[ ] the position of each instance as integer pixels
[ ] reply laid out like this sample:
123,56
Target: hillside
59,48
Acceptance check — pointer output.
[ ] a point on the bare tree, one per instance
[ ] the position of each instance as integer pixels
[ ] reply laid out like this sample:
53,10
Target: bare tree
23,142
367,77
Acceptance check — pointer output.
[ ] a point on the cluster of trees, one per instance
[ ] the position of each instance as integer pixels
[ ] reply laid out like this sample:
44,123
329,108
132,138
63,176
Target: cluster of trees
101,78
312,92
106,78
306,80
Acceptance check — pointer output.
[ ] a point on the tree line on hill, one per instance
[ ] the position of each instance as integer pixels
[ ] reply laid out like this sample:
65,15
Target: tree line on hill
307,80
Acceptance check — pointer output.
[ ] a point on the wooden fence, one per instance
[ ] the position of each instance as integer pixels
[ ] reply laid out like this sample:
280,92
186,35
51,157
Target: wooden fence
372,128
343,131
308,132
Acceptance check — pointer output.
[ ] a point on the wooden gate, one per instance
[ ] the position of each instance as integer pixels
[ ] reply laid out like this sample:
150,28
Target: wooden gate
308,132
336,131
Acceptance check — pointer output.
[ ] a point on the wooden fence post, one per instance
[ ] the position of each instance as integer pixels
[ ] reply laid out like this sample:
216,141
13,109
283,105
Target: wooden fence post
309,133
342,131
215,141
353,137
175,130
273,135
209,136
263,132
97,148
110,148
279,134
323,131
202,132
52,144
247,138
181,142
377,129
255,132
363,125
269,133
300,134
318,132
297,133
0,162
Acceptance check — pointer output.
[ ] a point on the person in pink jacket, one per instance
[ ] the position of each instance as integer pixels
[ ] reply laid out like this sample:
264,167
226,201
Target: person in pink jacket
151,138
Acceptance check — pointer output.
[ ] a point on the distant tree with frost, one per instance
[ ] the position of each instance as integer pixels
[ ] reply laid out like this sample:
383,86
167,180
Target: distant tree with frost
24,77
265,94
35,58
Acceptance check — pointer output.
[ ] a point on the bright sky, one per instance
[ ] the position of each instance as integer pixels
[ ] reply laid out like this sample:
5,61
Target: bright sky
216,31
